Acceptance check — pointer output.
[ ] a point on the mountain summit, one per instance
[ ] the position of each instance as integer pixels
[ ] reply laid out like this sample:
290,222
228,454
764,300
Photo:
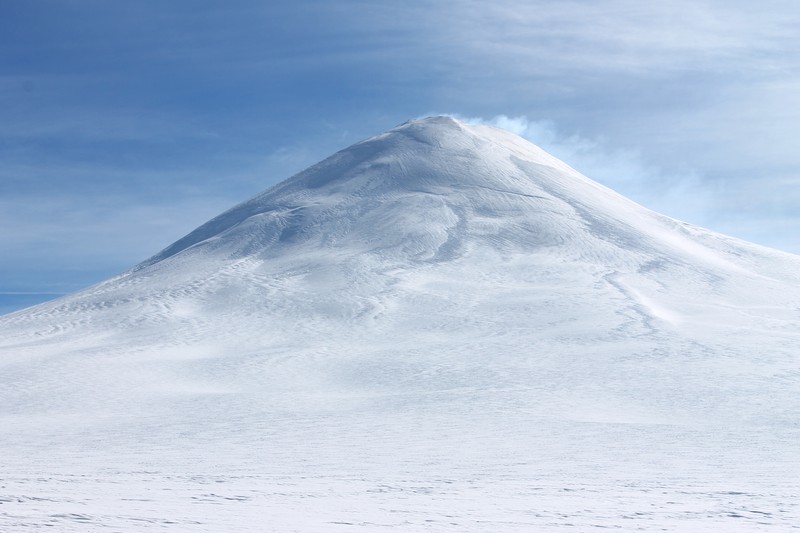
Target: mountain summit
442,314
436,189
421,191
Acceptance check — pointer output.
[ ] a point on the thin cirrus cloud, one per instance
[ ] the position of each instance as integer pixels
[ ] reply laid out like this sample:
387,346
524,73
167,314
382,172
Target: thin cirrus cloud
622,35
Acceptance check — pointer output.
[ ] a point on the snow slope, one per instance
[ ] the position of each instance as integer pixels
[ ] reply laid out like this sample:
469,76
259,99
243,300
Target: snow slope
439,328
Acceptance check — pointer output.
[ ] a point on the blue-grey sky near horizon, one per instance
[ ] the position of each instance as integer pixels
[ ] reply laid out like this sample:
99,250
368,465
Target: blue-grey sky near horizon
124,125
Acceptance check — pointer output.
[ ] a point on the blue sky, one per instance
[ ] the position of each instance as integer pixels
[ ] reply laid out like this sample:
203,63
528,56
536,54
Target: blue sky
124,125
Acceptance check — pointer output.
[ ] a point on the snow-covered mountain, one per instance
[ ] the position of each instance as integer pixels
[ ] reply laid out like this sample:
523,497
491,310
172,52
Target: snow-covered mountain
441,327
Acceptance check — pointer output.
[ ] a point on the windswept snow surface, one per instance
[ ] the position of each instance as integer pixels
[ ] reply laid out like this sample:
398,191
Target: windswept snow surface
439,328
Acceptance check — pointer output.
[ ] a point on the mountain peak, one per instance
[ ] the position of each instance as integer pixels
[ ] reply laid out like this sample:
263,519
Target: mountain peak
437,189
445,121
433,176
433,128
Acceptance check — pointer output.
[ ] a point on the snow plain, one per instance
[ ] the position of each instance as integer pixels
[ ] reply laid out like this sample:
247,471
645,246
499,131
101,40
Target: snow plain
439,328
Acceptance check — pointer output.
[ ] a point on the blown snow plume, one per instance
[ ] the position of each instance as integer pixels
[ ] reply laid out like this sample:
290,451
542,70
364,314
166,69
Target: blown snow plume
441,327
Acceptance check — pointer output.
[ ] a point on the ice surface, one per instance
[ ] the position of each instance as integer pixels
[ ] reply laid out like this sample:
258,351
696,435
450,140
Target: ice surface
439,328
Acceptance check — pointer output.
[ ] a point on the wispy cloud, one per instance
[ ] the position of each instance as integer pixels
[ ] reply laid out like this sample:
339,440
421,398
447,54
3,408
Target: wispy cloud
682,195
30,293
108,230
623,34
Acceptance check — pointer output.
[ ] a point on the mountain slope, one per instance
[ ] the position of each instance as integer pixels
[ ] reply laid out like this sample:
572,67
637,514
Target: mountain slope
442,310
